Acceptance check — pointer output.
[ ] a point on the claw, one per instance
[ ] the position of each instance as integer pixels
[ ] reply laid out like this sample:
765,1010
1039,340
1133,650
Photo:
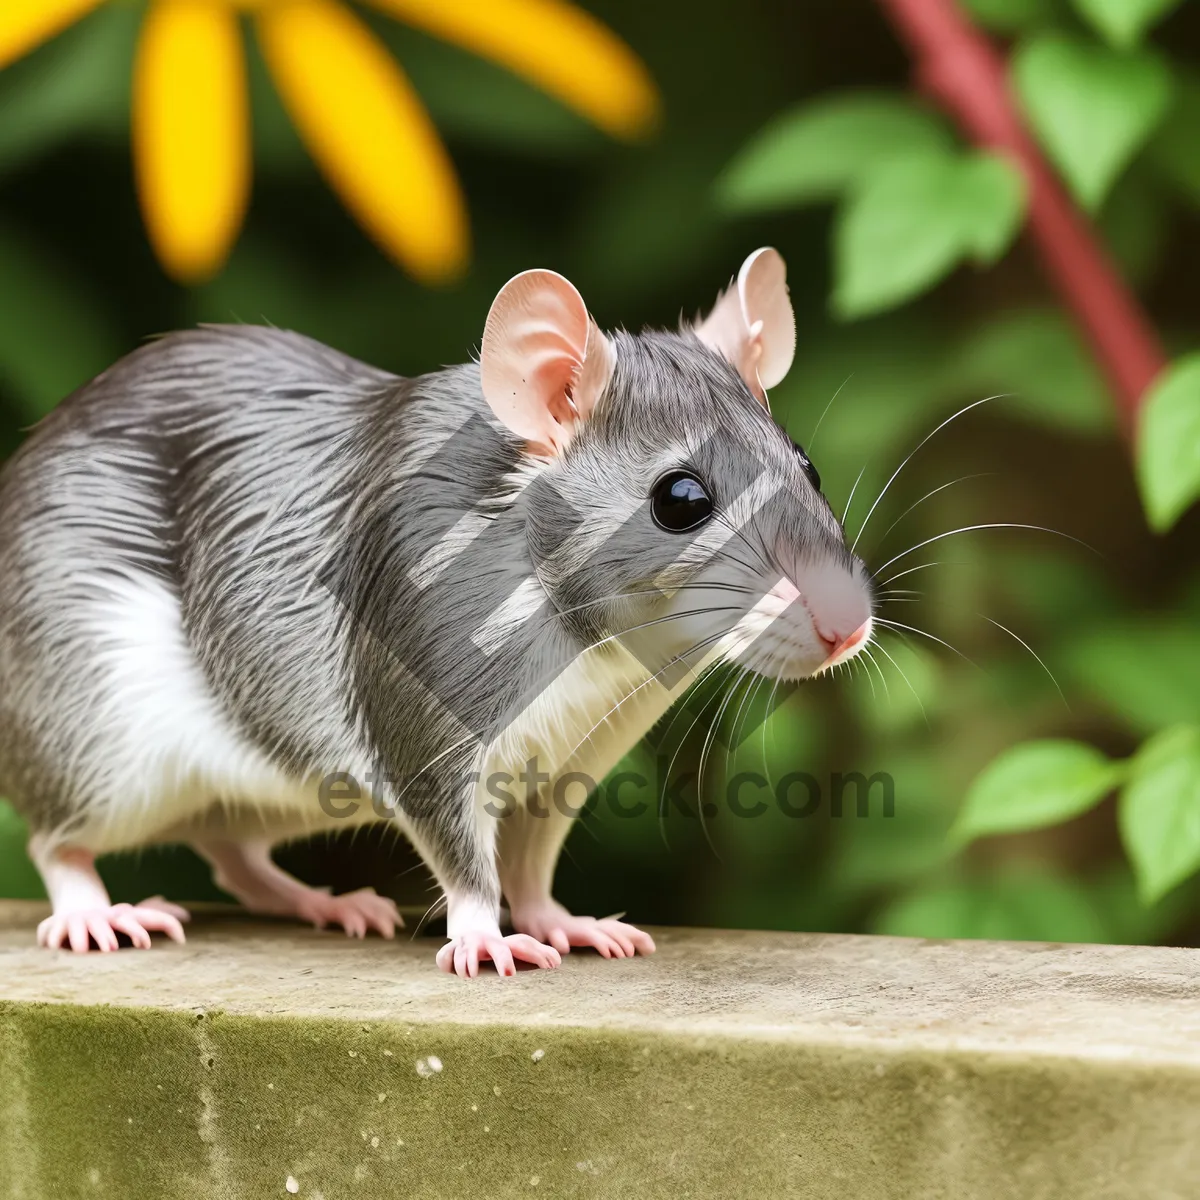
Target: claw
99,927
356,912
462,955
609,937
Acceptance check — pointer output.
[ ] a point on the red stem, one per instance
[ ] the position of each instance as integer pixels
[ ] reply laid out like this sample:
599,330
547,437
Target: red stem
959,67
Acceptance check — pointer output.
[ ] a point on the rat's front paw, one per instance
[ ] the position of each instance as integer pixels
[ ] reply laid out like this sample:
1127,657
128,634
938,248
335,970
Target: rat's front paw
99,927
463,954
355,912
608,936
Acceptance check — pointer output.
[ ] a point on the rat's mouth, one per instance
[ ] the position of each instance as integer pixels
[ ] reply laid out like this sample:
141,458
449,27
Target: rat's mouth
848,647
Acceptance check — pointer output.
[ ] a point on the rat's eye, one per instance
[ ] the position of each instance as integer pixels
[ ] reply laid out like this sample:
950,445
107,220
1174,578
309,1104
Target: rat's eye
679,502
813,474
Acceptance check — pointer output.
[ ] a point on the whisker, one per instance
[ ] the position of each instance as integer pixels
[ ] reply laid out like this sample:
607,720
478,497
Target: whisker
690,612
1032,651
887,687
730,745
704,643
757,551
988,525
428,915
850,498
737,718
945,562
662,800
930,495
883,649
770,712
812,437
653,591
714,725
908,459
931,637
850,671
705,674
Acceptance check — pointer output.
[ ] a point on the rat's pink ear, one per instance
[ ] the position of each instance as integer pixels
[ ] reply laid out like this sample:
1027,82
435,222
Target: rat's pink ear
543,363
752,324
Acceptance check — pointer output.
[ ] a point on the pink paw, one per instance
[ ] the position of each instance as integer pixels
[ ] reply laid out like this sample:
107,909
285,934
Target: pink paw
355,912
463,954
612,938
100,926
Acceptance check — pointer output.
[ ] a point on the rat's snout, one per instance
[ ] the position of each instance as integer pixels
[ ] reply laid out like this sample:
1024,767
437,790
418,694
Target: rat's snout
816,623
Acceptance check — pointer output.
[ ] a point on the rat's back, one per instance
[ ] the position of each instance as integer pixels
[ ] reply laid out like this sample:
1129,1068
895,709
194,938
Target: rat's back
198,476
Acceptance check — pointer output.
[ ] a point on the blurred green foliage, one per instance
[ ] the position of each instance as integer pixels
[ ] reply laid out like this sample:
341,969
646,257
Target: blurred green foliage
1019,810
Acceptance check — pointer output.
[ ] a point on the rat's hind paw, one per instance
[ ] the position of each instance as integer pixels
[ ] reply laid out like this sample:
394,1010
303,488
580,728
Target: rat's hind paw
355,912
608,936
463,954
99,927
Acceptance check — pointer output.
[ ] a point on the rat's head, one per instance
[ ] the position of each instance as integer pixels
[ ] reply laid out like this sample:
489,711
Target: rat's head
668,509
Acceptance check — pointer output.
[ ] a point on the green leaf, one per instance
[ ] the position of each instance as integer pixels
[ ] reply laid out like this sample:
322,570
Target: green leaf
1163,747
815,151
1092,107
1147,672
914,219
1023,904
1159,812
51,338
1168,446
1036,358
990,202
1123,22
1033,785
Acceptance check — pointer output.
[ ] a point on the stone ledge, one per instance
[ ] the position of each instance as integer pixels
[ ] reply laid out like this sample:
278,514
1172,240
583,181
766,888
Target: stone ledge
729,1064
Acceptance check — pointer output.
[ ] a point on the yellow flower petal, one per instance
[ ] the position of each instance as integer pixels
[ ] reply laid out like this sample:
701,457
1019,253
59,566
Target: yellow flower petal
190,133
25,24
368,132
556,46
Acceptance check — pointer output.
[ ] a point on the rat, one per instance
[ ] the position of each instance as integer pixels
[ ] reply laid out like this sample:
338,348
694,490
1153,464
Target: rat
245,578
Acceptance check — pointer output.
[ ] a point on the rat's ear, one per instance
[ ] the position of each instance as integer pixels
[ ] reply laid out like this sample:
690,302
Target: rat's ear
752,324
544,362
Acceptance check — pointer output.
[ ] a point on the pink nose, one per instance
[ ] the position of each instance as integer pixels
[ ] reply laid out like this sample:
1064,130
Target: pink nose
837,645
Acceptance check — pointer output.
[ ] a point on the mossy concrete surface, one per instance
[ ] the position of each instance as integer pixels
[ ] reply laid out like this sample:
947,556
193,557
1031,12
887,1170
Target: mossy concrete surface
265,1060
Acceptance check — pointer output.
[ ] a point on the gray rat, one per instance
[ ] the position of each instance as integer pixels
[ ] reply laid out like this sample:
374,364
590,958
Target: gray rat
245,579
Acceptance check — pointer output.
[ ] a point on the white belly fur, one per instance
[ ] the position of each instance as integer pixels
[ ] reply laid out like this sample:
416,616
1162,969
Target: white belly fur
162,751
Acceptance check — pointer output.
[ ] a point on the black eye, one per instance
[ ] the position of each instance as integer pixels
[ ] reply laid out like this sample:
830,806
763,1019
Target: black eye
813,474
679,502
